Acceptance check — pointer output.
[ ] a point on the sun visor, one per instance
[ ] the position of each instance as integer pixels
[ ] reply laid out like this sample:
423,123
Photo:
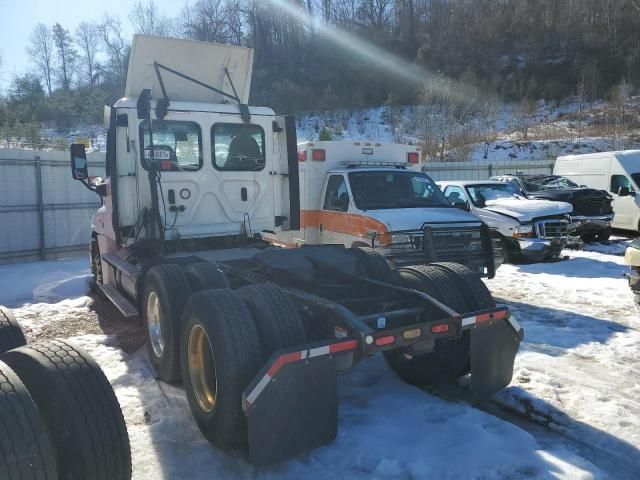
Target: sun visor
202,61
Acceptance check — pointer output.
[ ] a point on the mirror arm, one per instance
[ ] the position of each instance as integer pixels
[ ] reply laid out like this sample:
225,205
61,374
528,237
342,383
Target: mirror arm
88,186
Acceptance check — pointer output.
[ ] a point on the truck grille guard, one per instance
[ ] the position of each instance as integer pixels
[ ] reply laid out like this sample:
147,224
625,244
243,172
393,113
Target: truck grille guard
465,243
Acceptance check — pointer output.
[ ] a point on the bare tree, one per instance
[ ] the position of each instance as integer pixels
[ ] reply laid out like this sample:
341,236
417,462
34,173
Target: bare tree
110,30
88,40
523,117
489,110
147,19
40,50
207,20
448,106
66,54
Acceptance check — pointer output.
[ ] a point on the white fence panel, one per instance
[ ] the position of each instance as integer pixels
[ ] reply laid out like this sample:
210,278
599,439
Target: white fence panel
44,213
484,170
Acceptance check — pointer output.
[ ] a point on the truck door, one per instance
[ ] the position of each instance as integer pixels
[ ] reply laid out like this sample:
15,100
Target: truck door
335,224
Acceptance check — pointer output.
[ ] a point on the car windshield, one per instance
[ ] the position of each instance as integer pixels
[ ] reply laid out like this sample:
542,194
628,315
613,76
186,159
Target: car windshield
480,194
385,189
551,182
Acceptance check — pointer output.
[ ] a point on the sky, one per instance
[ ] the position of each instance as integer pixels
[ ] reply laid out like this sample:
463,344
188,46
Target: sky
18,17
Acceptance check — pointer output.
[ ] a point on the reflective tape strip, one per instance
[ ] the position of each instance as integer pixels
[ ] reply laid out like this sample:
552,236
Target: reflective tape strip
282,360
316,352
485,317
468,321
295,357
264,381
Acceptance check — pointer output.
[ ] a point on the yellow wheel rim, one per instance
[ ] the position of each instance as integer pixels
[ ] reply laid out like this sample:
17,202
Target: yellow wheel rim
202,368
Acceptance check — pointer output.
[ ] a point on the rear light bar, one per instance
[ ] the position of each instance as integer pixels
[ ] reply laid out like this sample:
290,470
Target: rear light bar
318,155
413,158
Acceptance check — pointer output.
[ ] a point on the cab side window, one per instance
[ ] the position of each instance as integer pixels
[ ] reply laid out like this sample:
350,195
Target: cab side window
455,195
620,181
514,186
337,196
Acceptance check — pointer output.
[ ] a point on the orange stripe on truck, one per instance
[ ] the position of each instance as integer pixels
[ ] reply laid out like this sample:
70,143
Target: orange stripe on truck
342,222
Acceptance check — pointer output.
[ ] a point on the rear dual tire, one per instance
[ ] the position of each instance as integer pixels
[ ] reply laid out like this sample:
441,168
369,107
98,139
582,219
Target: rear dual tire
460,289
227,337
166,291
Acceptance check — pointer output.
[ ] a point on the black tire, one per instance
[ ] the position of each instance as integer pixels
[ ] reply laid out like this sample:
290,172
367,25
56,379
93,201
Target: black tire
373,264
477,295
604,234
26,449
79,408
11,335
589,237
450,356
205,276
170,286
236,357
275,316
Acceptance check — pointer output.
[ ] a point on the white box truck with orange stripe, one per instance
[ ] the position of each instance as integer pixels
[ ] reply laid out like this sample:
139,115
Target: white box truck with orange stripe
195,179
363,194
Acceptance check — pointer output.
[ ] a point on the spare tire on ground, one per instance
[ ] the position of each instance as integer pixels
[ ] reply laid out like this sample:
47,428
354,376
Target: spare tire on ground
11,335
275,316
26,450
221,354
79,408
450,356
205,276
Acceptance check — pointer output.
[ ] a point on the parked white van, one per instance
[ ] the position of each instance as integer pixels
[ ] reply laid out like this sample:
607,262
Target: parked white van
616,172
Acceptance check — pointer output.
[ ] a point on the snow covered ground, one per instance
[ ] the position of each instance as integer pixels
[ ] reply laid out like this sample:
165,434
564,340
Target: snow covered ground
577,370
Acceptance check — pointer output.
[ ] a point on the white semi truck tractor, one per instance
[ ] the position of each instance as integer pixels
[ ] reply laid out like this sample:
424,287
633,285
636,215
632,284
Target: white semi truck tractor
257,333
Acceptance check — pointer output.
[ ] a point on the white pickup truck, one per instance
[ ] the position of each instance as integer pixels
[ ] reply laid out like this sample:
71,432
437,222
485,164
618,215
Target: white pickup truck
531,230
363,194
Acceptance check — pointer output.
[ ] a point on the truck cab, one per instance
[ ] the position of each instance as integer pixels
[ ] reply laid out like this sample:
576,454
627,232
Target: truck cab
364,194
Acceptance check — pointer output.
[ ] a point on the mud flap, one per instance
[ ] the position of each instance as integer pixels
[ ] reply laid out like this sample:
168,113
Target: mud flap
297,411
493,351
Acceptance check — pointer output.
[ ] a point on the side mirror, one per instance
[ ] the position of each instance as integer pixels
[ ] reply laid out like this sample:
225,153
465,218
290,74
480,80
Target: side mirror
461,205
79,167
624,192
343,202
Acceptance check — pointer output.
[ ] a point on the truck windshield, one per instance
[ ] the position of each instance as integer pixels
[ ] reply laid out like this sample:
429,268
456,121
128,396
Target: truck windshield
385,189
551,182
636,178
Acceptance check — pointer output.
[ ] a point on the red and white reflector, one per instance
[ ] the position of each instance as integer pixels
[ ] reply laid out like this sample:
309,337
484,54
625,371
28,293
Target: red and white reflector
485,317
318,155
292,357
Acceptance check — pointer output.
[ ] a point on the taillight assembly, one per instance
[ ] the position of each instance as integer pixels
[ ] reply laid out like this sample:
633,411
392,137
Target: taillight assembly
318,155
302,156
413,158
